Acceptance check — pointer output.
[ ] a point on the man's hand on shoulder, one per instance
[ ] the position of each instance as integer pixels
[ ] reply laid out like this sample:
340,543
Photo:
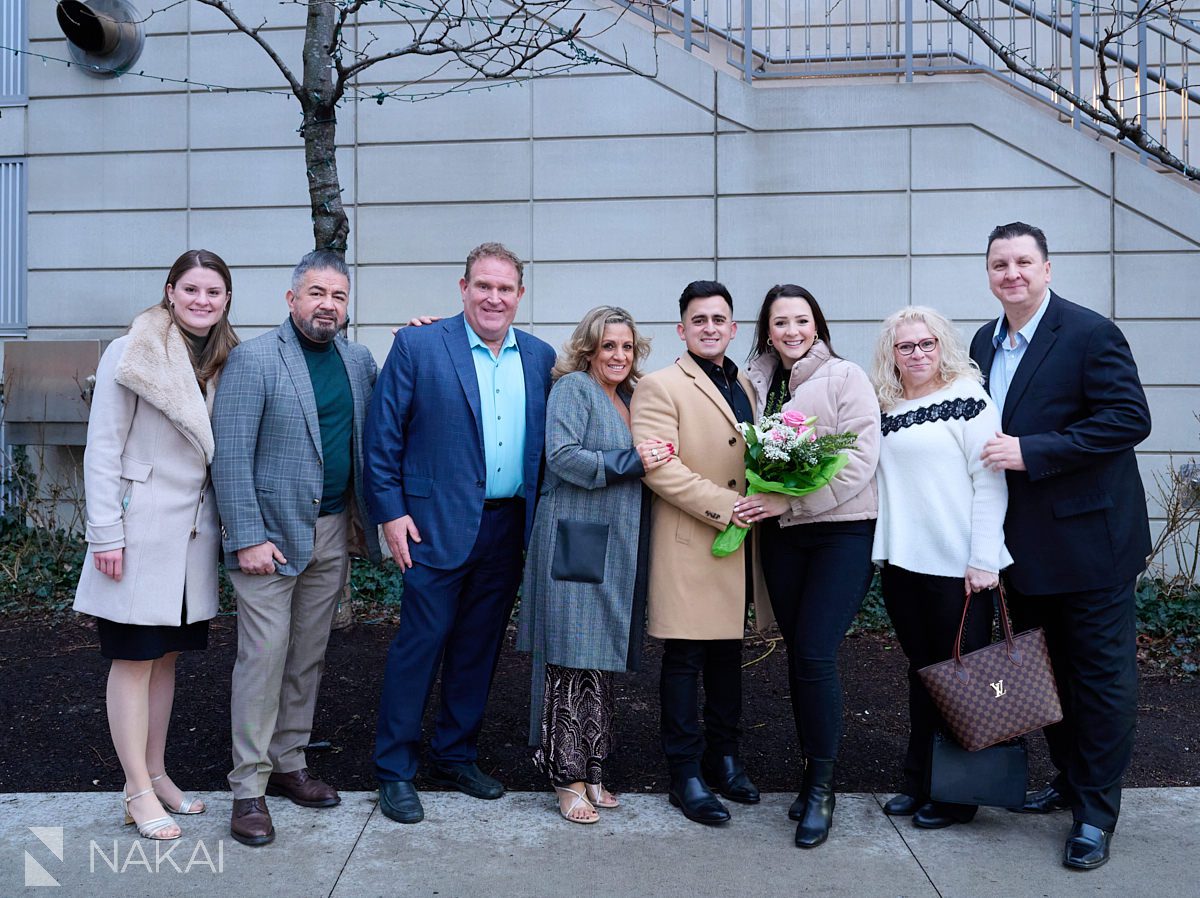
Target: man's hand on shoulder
1003,453
260,559
398,532
419,321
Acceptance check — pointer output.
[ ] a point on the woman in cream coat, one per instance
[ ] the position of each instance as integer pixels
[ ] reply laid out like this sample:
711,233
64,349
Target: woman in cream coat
152,527
815,549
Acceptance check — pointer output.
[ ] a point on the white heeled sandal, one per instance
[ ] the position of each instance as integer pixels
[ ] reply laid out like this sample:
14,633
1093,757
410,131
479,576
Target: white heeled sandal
186,805
580,801
151,829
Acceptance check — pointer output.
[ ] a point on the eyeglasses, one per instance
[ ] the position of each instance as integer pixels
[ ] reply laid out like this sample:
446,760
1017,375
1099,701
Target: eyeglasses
926,346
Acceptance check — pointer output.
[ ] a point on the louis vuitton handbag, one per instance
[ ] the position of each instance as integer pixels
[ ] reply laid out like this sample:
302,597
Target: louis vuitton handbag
998,692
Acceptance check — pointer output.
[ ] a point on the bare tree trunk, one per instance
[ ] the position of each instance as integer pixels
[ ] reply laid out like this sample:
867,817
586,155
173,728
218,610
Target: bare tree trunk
331,228
330,225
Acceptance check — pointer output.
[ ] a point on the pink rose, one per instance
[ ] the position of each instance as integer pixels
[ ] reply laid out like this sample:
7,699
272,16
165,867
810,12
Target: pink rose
794,419
776,435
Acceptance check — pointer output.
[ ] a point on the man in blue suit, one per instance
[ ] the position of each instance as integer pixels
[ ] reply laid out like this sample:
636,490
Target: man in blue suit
453,448
1072,411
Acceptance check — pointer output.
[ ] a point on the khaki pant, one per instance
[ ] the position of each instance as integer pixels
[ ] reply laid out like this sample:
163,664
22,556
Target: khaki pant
283,630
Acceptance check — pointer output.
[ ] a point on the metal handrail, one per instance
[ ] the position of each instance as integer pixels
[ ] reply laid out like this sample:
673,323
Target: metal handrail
935,53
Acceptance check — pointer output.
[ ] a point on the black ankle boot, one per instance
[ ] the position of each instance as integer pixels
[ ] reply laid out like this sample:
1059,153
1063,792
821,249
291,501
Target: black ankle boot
817,791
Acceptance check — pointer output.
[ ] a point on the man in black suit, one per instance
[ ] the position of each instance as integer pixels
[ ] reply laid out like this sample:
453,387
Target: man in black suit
1073,410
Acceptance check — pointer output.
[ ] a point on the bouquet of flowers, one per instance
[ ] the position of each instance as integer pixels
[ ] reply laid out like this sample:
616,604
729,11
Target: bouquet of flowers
785,455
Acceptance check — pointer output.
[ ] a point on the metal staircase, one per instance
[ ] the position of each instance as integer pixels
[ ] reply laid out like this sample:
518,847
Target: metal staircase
1152,68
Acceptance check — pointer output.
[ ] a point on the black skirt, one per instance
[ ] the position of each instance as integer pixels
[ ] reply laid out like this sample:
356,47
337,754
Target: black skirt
137,642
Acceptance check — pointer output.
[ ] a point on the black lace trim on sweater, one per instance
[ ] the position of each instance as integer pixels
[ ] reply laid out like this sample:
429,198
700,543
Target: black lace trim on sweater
943,411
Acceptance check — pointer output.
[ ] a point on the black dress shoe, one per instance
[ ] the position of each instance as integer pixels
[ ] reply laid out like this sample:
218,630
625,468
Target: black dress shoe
727,775
467,778
940,814
1043,801
697,801
399,801
1087,847
902,805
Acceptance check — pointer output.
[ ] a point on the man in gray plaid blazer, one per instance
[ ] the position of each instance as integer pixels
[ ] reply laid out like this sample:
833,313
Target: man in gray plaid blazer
288,422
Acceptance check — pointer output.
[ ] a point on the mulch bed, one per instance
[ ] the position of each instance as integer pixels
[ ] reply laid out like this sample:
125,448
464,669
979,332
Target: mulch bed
52,714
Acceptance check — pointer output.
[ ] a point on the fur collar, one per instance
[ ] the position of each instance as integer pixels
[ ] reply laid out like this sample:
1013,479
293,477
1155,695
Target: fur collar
156,366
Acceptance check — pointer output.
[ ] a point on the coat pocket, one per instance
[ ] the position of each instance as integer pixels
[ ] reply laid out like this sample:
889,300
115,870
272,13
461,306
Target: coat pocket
580,550
1076,505
132,469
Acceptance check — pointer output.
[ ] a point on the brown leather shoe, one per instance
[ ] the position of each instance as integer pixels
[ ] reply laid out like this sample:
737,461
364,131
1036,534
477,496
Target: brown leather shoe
251,821
303,789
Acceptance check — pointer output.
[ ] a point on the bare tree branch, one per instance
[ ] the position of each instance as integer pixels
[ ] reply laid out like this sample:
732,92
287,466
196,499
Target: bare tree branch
1109,112
253,33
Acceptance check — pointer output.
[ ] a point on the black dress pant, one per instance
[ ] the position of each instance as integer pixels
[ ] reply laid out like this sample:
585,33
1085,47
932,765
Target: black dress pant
817,575
685,661
1092,641
925,610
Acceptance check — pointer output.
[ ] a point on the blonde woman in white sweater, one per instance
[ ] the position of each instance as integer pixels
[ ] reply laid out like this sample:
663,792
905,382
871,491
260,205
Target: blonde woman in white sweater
940,535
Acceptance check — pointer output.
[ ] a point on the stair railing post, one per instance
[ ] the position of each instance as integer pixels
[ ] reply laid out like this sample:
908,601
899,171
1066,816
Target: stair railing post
908,38
1076,65
687,25
748,40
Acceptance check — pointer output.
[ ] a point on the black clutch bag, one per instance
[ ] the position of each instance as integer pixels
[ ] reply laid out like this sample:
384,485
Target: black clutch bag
994,776
580,550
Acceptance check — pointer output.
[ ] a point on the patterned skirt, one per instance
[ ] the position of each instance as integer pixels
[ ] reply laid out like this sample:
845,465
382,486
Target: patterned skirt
577,725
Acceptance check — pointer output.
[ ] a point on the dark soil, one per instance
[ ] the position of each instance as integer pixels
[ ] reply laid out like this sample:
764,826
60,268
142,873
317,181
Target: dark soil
52,682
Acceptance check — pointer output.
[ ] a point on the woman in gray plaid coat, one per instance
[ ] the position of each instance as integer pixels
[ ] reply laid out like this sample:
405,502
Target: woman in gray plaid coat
584,595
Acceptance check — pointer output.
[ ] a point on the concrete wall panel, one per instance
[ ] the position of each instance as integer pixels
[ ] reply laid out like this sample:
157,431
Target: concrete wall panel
253,236
442,233
108,124
105,239
252,120
813,162
603,105
109,181
163,55
392,294
101,298
445,172
1157,285
862,289
503,112
624,229
1159,346
968,158
1172,409
659,166
823,225
1136,233
1075,219
257,178
647,290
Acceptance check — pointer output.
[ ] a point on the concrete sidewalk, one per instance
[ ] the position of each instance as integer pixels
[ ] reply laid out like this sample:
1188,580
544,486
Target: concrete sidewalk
518,846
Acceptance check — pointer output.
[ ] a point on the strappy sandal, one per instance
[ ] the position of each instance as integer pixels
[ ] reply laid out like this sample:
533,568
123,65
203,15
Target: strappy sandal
186,805
151,829
579,800
595,794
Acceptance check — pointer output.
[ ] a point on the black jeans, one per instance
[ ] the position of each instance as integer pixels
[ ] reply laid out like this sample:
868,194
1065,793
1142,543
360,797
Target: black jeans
925,610
817,575
684,662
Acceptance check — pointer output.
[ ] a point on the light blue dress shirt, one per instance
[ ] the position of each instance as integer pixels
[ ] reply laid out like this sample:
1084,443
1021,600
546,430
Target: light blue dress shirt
502,407
1007,357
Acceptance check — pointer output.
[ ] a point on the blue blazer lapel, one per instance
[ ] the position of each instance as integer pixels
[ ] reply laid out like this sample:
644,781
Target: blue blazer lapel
297,368
454,333
535,407
1043,340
